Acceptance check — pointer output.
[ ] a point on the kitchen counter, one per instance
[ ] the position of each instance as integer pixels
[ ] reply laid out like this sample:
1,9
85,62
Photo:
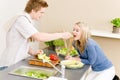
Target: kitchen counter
70,74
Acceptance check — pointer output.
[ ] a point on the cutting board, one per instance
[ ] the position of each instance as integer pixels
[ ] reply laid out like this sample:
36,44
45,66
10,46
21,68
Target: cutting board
41,63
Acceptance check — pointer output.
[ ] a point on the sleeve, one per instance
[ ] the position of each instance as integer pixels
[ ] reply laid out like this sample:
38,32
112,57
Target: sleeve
24,27
92,55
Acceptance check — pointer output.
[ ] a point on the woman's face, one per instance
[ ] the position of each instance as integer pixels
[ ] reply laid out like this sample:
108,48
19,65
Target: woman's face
37,15
76,32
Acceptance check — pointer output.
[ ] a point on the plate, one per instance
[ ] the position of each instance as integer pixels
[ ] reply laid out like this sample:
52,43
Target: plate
31,72
73,64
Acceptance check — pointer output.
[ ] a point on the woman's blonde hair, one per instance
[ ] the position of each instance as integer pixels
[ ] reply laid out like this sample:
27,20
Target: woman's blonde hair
35,5
85,34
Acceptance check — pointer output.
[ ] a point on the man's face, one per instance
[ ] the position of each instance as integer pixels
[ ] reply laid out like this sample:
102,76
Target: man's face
37,15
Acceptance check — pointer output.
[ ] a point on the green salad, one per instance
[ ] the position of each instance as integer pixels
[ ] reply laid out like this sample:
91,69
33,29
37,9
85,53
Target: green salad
64,51
34,73
72,64
73,52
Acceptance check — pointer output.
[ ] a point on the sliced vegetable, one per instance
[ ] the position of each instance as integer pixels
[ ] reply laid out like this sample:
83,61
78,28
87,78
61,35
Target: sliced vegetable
44,57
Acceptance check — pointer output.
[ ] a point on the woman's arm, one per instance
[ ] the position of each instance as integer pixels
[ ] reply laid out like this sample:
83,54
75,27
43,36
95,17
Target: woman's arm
91,55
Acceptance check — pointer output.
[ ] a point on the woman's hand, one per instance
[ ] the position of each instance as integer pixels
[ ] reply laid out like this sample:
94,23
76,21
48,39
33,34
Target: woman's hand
72,58
68,57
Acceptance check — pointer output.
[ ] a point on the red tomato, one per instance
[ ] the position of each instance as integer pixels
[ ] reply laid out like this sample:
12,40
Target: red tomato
53,57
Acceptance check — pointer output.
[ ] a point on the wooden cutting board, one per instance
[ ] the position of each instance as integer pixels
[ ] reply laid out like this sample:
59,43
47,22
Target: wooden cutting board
40,62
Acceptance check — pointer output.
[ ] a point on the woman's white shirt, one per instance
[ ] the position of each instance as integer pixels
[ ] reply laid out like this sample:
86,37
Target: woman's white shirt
17,43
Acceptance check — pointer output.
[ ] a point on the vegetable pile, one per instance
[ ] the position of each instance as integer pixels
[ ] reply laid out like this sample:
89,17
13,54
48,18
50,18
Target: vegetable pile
64,51
33,73
52,57
44,57
36,74
57,42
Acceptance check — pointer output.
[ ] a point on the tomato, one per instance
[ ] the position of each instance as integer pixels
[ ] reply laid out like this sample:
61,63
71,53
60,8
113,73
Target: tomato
53,57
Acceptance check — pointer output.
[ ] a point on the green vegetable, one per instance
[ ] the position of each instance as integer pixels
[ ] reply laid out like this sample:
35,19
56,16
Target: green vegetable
49,43
73,52
36,74
58,42
63,51
33,73
44,57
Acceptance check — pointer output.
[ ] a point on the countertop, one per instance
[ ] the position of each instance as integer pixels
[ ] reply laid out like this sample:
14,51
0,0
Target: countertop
70,74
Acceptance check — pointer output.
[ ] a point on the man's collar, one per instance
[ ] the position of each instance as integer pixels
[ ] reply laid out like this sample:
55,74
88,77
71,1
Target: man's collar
29,17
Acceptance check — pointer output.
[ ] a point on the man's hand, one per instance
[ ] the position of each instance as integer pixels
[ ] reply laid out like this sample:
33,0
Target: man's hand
38,52
67,35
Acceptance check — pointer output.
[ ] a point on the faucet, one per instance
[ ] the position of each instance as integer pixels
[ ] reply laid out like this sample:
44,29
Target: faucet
62,71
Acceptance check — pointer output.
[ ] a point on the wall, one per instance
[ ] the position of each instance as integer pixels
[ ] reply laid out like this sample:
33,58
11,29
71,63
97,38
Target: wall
62,14
7,10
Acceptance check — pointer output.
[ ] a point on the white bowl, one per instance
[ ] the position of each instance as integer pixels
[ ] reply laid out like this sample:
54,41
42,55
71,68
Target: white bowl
73,64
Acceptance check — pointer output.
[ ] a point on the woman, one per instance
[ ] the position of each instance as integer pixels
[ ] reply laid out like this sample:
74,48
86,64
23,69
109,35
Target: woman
22,30
91,54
